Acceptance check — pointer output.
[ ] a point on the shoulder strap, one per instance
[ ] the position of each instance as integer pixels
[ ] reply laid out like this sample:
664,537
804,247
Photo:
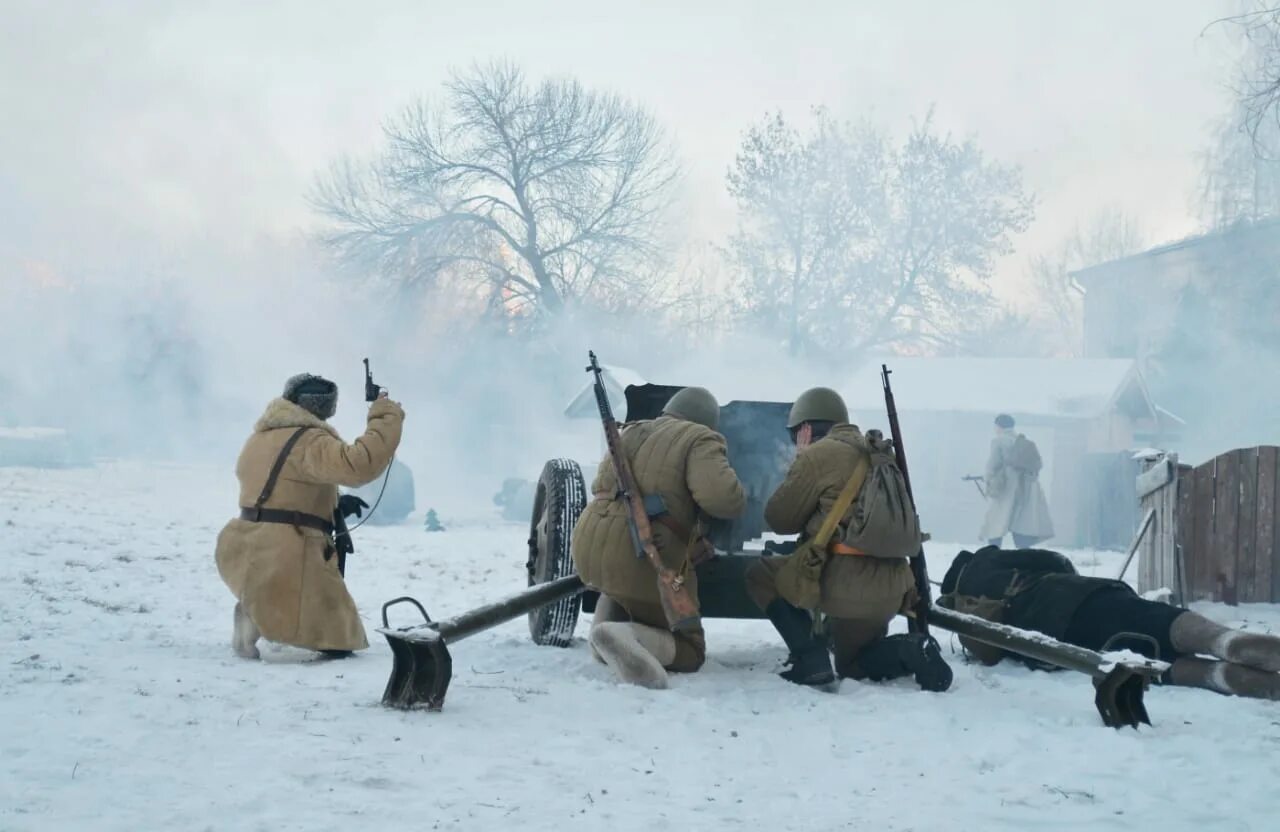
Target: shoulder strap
843,501
278,466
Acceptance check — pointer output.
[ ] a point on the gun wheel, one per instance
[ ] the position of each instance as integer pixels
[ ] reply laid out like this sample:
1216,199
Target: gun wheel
560,498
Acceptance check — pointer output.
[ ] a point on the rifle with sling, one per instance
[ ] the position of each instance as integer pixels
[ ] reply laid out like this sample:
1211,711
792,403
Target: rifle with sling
679,607
919,622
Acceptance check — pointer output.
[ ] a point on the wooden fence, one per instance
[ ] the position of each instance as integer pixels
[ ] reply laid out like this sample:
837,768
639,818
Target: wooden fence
1215,535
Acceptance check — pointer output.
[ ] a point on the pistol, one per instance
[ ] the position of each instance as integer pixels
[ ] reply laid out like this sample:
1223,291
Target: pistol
371,390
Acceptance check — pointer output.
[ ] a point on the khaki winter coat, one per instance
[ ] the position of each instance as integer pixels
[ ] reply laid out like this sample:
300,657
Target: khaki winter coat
279,573
1015,500
688,466
853,586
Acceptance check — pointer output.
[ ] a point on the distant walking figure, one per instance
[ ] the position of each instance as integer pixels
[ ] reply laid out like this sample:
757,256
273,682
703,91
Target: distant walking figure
1015,500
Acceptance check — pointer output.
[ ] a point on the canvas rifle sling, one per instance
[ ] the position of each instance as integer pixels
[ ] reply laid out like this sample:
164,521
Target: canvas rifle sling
842,503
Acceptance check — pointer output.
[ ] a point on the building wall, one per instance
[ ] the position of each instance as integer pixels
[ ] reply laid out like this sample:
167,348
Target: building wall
1130,308
1200,353
1109,433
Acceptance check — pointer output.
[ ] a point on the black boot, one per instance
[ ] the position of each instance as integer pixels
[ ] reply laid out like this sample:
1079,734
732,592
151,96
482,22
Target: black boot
909,653
810,661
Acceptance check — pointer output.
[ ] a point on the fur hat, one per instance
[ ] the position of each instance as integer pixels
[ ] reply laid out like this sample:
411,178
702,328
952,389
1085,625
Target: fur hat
314,394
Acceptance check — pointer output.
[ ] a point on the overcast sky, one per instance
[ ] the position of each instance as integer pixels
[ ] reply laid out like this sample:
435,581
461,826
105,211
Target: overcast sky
176,121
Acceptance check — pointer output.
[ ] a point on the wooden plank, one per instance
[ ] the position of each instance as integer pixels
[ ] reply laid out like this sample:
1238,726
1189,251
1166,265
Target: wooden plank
1166,532
1146,552
1246,534
1185,533
1201,554
1164,535
1152,557
1266,550
1226,514
1154,478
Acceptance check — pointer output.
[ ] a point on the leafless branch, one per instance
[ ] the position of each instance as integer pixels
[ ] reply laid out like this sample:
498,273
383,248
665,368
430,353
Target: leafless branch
551,192
847,242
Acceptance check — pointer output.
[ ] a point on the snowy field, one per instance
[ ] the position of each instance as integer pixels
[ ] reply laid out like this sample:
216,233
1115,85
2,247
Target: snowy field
122,707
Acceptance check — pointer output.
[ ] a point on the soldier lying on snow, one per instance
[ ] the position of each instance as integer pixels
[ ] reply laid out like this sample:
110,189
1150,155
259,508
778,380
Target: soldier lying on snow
1035,589
680,458
278,557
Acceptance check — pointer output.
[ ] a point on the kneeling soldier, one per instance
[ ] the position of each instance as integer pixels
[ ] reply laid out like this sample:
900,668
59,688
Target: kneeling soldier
279,556
860,592
681,459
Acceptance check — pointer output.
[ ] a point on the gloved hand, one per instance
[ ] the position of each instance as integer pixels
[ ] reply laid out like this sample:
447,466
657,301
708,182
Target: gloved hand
349,504
703,550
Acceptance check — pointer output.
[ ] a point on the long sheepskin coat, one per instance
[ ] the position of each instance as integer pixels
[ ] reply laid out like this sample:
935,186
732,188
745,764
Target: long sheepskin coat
279,573
1015,500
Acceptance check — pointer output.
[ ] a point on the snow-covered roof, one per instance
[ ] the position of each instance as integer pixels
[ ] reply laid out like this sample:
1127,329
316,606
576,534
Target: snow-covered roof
616,381
1234,236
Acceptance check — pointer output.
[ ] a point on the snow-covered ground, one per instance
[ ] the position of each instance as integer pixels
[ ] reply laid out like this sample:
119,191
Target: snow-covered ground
122,707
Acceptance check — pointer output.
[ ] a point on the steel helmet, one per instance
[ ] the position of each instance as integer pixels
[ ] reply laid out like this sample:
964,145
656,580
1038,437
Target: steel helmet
818,404
695,404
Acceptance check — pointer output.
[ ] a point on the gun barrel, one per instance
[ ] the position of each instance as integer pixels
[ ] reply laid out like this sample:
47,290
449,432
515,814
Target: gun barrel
1119,683
514,606
1032,645
422,666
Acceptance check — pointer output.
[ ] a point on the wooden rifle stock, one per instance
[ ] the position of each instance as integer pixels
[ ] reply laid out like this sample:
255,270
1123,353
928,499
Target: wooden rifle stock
680,608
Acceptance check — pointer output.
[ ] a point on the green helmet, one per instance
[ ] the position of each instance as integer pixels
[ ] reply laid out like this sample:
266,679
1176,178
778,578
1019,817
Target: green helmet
695,404
818,404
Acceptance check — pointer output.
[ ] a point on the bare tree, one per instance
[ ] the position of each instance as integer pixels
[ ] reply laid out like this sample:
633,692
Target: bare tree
535,197
1240,174
1055,322
1258,87
1240,170
802,205
847,243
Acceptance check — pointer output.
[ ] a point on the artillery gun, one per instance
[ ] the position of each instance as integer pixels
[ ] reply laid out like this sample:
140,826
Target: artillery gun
760,452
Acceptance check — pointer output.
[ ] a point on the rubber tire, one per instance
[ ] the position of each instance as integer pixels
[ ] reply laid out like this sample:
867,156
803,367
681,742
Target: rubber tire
560,497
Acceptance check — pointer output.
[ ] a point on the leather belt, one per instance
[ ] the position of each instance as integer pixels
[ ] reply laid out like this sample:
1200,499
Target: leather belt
668,522
841,549
286,518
